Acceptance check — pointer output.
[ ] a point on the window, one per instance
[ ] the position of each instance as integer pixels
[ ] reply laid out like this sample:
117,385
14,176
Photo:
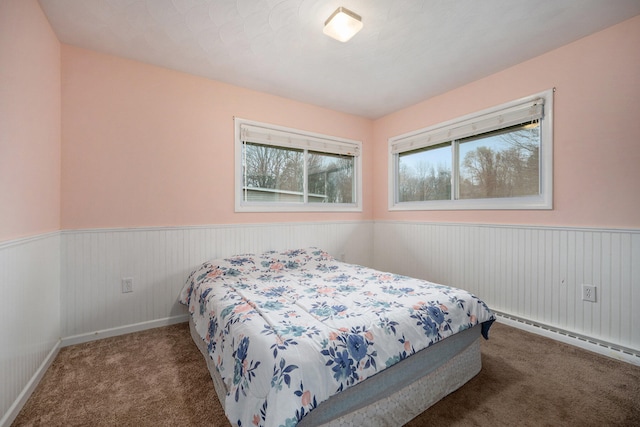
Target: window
499,158
281,169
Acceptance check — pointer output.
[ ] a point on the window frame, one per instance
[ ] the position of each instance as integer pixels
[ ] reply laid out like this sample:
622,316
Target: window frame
542,201
285,137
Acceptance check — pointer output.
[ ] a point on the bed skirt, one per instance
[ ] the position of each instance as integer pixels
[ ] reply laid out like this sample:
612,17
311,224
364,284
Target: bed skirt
395,395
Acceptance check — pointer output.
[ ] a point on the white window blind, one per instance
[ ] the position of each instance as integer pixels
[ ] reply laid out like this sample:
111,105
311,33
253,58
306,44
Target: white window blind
526,112
267,136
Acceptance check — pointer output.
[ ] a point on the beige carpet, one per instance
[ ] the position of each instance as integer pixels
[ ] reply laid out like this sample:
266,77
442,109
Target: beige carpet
158,378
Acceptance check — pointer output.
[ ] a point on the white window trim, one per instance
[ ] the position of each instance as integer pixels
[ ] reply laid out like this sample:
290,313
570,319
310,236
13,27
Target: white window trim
411,139
289,137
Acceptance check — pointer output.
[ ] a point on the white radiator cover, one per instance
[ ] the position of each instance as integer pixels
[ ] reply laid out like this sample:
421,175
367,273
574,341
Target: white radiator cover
533,273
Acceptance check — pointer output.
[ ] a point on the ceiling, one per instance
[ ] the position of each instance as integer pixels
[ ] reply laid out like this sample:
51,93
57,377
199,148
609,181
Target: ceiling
408,50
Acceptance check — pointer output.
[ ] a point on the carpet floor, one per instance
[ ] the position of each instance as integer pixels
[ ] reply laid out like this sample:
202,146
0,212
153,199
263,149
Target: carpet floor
158,378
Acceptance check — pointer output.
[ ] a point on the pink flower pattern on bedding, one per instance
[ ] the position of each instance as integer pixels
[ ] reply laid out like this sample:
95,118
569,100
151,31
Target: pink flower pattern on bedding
287,330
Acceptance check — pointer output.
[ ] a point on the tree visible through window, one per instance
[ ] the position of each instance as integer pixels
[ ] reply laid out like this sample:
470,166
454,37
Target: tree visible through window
273,168
495,155
290,170
277,174
331,176
505,163
425,174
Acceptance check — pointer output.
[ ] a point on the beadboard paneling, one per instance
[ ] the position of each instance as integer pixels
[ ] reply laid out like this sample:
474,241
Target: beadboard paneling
29,314
160,259
534,273
69,284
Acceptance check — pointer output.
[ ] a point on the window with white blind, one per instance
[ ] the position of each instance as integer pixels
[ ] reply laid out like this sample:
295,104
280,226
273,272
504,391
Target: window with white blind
500,158
283,170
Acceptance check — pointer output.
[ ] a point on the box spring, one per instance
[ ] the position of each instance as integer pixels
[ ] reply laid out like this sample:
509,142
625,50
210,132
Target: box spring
395,395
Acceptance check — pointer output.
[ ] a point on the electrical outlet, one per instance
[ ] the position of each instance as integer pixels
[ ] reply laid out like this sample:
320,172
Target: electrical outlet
127,284
589,293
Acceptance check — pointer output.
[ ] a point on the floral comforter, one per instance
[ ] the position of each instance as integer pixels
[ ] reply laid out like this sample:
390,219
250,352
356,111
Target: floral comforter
287,330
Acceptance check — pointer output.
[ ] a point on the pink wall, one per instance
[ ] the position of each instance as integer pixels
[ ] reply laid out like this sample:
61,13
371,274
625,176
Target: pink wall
596,131
147,146
29,121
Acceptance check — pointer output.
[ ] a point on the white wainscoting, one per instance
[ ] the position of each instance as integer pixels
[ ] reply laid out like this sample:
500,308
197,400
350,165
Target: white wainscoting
533,274
29,316
68,284
159,261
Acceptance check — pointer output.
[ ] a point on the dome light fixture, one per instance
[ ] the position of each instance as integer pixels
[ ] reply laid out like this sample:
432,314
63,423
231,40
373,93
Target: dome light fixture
342,24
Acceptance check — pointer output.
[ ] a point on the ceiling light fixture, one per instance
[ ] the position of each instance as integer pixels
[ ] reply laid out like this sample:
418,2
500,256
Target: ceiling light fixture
342,24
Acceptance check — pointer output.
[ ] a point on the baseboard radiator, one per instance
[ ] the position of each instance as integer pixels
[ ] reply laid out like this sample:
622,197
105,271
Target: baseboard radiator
614,351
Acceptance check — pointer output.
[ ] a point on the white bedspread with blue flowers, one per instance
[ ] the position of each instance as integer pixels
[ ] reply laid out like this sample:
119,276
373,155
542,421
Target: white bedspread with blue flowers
287,330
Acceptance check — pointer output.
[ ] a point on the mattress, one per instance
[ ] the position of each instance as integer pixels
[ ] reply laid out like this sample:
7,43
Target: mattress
286,331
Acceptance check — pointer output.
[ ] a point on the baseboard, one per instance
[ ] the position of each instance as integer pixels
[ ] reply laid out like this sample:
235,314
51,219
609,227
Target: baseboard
22,398
122,330
587,343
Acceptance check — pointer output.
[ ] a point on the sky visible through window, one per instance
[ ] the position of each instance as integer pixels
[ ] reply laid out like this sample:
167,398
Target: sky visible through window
428,158
504,163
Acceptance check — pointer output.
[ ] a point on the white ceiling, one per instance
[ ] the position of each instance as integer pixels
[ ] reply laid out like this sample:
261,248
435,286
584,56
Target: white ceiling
408,50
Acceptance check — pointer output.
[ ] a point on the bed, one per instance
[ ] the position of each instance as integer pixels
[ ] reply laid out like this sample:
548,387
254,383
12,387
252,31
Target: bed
297,337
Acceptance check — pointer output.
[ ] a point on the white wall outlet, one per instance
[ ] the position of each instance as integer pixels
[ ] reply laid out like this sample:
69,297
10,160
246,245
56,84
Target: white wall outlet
127,284
589,293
